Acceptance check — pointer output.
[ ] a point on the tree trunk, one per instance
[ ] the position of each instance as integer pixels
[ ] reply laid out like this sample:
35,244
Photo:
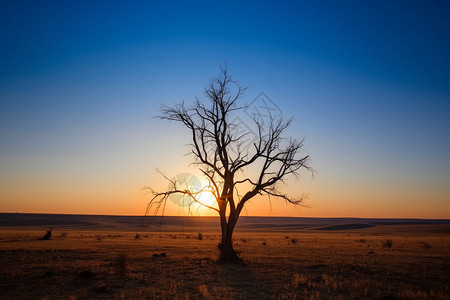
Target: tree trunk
227,253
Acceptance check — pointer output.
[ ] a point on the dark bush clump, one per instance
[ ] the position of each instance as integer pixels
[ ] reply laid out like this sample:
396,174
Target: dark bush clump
387,243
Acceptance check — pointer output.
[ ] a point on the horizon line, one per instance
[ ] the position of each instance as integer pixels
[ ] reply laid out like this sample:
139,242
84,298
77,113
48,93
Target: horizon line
190,216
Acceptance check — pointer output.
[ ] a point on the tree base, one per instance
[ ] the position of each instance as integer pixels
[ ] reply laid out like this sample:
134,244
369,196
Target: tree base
228,255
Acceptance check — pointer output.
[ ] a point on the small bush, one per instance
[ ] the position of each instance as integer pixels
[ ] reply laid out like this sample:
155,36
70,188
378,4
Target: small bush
200,236
159,255
100,289
387,243
137,236
424,245
299,279
203,289
293,241
86,274
329,281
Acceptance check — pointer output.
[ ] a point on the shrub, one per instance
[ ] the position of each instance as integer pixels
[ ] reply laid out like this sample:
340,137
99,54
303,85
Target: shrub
329,281
200,236
424,245
86,274
203,289
299,279
387,243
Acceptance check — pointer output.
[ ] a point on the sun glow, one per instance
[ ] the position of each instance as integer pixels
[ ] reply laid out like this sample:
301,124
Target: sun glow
206,198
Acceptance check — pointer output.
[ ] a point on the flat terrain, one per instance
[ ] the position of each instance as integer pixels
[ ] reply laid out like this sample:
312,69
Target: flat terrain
330,259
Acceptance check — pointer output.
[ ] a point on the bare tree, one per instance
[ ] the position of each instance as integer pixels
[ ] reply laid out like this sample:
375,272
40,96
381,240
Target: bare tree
229,164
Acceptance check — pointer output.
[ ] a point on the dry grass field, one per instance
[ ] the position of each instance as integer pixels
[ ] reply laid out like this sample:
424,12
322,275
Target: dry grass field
394,262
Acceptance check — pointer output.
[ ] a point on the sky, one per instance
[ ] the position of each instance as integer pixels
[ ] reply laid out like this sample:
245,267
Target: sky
367,82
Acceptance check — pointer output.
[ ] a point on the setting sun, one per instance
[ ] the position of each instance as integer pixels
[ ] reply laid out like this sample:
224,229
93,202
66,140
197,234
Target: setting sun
207,198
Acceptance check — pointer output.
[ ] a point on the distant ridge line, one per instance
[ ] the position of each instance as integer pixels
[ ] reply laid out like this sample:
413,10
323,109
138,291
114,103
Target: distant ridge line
194,223
264,217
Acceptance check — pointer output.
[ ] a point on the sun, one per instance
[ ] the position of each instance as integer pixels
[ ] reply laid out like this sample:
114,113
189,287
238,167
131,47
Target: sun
207,198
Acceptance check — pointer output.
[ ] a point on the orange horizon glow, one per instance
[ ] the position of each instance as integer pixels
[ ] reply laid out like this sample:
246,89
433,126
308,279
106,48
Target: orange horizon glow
110,195
256,208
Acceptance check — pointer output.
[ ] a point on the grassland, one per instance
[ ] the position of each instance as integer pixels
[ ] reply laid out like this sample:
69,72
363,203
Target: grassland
394,262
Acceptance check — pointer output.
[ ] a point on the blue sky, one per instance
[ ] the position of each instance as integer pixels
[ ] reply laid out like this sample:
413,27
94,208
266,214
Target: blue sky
367,83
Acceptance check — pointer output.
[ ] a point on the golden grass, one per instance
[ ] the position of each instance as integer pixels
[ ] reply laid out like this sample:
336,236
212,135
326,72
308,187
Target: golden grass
307,265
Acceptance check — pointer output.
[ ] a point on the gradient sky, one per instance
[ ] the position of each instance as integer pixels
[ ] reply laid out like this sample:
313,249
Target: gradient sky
368,83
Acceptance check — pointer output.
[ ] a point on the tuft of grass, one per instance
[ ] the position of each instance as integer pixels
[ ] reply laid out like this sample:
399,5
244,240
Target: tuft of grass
122,263
159,255
299,279
203,289
329,281
424,245
387,244
100,289
86,274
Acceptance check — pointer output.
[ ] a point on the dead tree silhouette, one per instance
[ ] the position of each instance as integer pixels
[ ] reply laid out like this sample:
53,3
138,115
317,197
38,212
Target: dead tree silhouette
48,235
236,171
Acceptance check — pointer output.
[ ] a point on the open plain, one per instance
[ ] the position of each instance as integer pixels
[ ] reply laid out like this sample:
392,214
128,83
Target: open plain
284,258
